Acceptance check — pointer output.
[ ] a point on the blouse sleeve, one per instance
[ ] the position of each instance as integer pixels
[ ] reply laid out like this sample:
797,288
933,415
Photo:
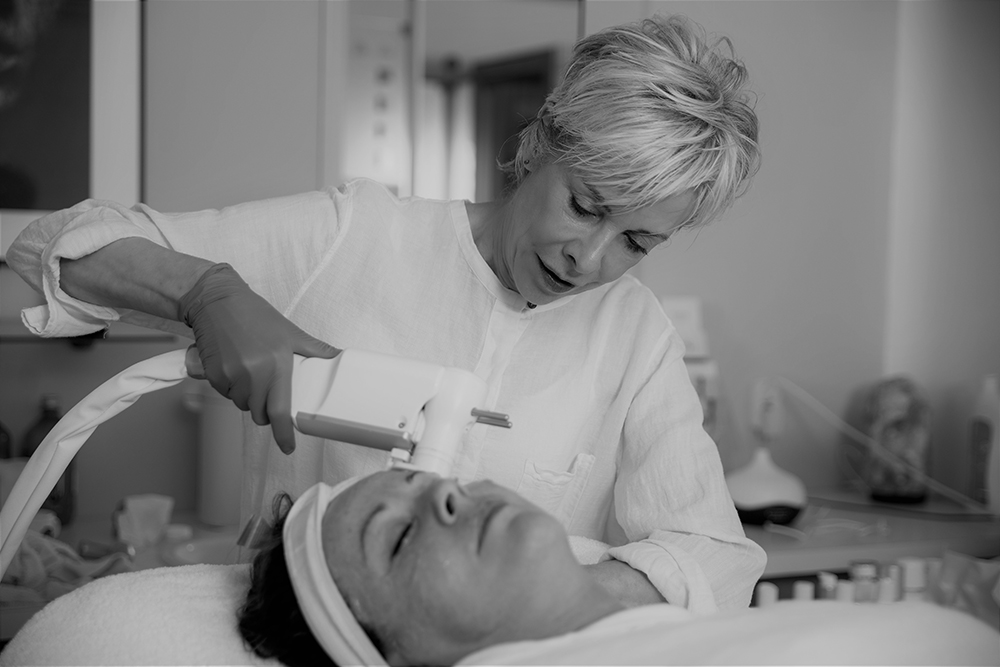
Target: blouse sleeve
274,244
672,501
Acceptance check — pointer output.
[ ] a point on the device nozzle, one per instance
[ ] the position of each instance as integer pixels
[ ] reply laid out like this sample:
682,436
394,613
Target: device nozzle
491,418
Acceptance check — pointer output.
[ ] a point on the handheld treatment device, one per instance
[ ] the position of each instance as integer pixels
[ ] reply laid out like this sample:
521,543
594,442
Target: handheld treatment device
416,411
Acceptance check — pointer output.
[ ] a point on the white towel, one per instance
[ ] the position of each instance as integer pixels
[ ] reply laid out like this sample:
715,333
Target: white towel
167,616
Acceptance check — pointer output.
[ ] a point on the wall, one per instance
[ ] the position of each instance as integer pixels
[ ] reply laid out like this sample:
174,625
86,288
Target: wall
234,114
943,320
793,277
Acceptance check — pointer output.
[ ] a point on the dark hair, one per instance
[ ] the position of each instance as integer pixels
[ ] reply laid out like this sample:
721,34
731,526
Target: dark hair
270,620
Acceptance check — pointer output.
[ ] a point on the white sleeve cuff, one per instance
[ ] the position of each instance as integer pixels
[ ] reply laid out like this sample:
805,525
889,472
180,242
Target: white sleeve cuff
673,571
588,551
49,323
62,315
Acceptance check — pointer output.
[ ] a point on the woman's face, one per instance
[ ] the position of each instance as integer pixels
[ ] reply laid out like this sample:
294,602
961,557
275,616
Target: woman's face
439,570
558,238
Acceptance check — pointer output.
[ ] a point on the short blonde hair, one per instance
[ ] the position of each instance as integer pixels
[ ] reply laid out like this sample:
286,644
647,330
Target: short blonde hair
647,111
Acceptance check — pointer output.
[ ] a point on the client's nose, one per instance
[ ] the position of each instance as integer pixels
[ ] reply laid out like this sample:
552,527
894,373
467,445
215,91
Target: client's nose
445,498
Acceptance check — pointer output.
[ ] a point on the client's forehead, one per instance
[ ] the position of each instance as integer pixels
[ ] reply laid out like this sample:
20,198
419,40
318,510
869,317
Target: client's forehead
367,490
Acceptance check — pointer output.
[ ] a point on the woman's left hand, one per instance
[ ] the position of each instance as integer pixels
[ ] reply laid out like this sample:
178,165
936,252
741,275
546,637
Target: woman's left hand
630,587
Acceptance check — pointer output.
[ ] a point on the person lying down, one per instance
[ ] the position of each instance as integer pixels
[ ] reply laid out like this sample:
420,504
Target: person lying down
408,568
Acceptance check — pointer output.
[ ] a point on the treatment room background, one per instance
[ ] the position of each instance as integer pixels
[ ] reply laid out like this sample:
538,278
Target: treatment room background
868,244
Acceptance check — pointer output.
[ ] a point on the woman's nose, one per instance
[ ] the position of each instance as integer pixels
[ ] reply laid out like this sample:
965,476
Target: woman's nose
587,252
446,498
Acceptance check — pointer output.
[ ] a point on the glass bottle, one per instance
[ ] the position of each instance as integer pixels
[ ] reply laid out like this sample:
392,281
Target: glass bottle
62,498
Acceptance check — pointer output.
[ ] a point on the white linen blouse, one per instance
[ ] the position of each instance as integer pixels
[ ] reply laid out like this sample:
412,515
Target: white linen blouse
607,427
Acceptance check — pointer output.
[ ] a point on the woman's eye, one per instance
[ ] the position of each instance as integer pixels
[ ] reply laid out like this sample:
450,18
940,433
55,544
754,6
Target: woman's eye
578,209
402,538
634,246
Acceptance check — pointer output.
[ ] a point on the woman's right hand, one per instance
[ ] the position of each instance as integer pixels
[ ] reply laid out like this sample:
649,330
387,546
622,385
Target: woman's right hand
246,347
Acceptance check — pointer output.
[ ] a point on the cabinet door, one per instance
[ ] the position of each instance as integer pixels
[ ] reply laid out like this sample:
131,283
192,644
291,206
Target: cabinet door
234,100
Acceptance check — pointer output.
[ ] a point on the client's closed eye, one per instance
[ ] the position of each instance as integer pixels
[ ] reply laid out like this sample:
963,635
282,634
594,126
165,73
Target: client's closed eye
403,534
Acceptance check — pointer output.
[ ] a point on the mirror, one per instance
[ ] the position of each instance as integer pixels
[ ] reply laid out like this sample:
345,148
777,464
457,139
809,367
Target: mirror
459,78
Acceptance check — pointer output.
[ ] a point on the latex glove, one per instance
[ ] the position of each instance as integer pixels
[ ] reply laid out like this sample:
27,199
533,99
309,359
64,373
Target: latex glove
246,347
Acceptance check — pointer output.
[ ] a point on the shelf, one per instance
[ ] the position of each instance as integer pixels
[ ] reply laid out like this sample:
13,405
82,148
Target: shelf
835,530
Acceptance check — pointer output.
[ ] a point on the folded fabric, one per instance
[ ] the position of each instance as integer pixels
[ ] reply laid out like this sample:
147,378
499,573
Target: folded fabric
43,568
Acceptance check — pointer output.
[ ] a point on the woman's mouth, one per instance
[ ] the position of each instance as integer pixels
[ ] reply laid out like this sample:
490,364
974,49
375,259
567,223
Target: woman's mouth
553,282
487,517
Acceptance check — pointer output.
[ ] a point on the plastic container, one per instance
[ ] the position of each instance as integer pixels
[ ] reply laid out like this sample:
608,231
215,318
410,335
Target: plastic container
62,499
804,590
890,585
914,578
220,455
984,433
766,594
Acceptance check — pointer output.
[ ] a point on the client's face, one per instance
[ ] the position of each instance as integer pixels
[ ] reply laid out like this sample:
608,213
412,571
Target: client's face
440,570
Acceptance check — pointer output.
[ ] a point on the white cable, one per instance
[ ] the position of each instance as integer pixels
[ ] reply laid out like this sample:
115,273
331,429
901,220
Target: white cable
879,449
55,452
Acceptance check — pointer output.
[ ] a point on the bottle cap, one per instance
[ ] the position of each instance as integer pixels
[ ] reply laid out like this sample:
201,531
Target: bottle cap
864,569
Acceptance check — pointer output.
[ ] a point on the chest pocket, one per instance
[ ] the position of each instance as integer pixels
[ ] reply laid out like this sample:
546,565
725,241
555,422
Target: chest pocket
558,493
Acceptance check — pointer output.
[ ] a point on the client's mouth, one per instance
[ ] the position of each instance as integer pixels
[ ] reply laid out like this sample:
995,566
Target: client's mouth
552,280
491,511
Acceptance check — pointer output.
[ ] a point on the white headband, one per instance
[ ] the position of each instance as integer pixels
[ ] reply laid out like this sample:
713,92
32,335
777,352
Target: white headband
324,608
